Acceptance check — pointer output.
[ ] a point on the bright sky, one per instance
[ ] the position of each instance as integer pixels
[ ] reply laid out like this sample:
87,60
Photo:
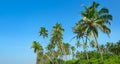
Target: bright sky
20,21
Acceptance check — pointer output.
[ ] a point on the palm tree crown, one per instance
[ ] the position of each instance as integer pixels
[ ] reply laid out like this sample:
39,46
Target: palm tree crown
37,47
94,19
43,32
57,34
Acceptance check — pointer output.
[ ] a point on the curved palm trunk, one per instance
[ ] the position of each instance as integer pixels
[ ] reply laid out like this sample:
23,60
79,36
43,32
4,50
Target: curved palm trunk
85,50
86,54
98,47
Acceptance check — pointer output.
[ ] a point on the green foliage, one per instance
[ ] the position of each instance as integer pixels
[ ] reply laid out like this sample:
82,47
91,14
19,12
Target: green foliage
58,52
43,32
111,60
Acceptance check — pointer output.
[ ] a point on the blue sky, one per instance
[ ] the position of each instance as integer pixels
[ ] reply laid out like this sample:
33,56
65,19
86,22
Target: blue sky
20,21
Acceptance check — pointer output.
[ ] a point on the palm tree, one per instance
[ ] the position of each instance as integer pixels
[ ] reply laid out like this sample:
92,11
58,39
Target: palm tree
43,32
50,49
80,32
92,44
37,49
93,19
78,44
102,47
66,52
108,46
57,34
56,38
114,48
66,47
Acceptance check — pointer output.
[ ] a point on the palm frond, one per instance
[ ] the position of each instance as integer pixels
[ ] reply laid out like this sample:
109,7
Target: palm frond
106,17
95,31
43,32
103,11
106,30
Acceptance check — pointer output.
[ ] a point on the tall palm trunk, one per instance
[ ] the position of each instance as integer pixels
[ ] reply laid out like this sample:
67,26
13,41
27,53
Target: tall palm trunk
37,60
86,53
98,47
85,49
61,51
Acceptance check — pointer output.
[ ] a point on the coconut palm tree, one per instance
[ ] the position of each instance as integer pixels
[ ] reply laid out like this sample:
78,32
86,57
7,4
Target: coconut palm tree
57,34
80,32
92,44
102,47
56,38
78,44
37,49
94,19
114,48
43,32
66,51
50,49
66,48
108,46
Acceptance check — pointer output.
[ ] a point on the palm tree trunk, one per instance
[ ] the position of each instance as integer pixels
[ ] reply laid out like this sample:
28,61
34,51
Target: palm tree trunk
86,53
49,58
87,56
86,50
37,60
62,50
98,47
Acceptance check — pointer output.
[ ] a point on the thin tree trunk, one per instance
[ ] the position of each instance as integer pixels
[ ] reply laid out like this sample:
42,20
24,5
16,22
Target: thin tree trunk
85,47
86,53
37,60
86,50
98,47
49,58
